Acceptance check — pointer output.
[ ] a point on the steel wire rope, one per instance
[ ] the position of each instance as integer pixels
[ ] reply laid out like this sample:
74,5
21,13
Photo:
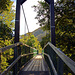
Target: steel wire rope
25,18
25,23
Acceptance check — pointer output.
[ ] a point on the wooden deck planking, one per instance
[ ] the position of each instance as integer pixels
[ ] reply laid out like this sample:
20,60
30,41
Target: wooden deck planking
37,64
36,67
33,69
40,68
30,68
43,66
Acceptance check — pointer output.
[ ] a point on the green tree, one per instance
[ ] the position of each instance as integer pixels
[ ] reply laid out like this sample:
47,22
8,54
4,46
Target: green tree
43,15
6,57
6,26
5,31
65,27
4,4
32,41
8,16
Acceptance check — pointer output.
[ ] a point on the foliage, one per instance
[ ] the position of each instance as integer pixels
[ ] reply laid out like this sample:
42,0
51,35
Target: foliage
65,27
6,25
7,55
4,4
7,17
32,41
5,31
43,15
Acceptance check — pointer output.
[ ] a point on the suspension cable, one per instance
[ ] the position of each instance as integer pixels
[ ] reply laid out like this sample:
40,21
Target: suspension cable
25,18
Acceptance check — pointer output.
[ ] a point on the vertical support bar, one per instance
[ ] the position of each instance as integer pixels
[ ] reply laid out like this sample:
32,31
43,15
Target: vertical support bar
52,21
50,53
37,51
0,63
19,53
60,69
25,53
15,56
17,21
52,27
17,28
60,62
29,49
29,52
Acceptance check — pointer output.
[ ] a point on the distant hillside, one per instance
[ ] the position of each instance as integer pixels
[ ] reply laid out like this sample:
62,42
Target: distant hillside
39,33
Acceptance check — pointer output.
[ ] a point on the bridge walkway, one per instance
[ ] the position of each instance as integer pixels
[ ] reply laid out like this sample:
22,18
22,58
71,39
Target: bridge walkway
37,66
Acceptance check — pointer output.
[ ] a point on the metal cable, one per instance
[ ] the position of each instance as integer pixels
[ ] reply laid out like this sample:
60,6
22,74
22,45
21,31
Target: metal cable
25,18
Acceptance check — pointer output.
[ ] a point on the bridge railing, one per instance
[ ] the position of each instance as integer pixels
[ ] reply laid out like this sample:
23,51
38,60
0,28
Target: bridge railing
26,54
59,63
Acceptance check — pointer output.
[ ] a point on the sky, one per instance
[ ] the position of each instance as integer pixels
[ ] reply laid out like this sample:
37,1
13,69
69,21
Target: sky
30,16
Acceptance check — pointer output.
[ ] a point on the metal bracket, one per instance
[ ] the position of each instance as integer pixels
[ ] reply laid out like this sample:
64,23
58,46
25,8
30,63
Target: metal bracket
52,26
16,20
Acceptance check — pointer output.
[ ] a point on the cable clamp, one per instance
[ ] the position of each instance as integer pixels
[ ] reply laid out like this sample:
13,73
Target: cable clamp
16,20
52,26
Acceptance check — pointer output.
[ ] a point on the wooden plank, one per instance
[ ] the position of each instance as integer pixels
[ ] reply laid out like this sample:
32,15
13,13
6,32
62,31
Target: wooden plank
37,65
29,66
34,66
26,68
25,65
35,69
40,68
30,69
43,67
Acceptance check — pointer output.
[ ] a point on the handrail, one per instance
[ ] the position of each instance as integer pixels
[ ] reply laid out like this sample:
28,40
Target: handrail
10,46
13,63
54,70
69,62
13,45
29,46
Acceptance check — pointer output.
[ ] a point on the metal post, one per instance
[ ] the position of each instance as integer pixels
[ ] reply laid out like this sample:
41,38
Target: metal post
29,55
52,28
50,53
19,53
60,62
60,68
52,22
37,51
15,56
17,21
0,63
25,53
17,28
